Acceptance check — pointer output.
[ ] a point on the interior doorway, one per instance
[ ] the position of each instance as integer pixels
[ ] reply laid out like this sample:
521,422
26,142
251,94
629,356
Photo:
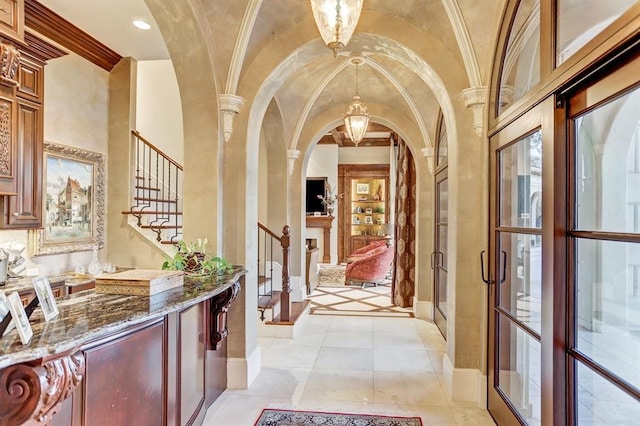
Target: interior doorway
439,255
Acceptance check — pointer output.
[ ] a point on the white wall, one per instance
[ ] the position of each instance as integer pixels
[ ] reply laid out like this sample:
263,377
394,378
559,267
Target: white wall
323,162
75,114
158,107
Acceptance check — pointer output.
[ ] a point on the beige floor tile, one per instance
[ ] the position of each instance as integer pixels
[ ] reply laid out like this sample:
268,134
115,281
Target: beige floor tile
401,359
369,365
349,339
331,358
408,388
341,385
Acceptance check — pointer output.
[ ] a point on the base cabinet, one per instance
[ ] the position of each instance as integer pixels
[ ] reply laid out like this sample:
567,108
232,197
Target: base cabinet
158,373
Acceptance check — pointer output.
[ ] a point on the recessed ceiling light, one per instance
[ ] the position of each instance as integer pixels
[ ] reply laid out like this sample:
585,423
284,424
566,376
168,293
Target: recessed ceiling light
143,25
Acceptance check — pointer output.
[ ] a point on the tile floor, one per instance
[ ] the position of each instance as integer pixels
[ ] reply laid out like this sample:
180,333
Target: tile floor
351,364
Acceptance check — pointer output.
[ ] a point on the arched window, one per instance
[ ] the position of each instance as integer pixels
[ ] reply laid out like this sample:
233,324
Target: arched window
441,142
520,69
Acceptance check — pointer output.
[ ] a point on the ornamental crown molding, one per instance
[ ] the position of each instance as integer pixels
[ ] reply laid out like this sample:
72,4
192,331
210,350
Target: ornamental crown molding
292,156
476,99
230,106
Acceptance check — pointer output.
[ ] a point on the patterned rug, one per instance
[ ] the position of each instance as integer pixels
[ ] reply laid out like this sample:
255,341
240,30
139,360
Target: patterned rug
356,301
273,417
331,275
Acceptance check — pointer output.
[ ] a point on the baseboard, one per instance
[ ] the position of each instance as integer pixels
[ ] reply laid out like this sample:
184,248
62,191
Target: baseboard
241,372
298,292
464,384
423,309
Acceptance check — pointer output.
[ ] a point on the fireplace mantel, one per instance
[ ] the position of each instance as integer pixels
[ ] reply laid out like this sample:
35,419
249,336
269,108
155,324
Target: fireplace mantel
323,222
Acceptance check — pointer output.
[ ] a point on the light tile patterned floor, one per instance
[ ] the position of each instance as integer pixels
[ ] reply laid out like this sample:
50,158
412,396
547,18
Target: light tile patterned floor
355,301
373,365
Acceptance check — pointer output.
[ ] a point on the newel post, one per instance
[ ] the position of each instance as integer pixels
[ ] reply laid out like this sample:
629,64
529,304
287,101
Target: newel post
285,300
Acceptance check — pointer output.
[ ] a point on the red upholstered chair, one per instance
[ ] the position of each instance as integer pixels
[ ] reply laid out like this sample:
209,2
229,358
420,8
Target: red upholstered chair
371,267
363,250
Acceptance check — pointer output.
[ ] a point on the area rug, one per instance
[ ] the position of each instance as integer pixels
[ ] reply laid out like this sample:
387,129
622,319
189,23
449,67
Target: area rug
350,301
331,275
276,417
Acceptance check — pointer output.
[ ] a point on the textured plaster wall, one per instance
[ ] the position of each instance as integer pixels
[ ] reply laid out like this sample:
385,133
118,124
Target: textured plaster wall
80,123
158,107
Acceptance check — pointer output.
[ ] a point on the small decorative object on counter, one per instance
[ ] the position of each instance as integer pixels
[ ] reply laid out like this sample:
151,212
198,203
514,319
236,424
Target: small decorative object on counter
193,259
139,282
95,268
45,296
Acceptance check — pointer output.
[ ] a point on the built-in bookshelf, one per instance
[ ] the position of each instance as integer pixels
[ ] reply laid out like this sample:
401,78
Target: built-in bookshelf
364,211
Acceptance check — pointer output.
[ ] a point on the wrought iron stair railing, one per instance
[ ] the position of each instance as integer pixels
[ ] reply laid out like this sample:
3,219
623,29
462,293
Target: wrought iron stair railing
157,191
268,298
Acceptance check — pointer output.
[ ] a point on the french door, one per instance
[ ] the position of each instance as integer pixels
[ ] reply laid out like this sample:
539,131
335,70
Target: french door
603,244
439,256
515,333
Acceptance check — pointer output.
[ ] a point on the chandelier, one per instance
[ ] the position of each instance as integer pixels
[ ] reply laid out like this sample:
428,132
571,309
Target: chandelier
336,20
356,119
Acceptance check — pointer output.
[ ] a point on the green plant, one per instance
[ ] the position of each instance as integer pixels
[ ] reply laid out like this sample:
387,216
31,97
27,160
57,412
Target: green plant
193,258
378,209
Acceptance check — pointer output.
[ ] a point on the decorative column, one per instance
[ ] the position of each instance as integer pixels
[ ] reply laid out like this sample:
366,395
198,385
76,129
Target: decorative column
229,106
476,98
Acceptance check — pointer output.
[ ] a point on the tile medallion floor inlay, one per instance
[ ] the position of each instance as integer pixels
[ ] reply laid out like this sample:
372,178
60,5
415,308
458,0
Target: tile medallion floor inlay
356,301
351,364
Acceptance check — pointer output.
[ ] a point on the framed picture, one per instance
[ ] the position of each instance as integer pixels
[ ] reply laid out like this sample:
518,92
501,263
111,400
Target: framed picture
45,297
4,310
73,204
355,220
19,317
368,220
362,188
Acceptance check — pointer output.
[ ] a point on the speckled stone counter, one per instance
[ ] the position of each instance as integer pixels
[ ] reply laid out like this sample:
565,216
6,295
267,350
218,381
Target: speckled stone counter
88,319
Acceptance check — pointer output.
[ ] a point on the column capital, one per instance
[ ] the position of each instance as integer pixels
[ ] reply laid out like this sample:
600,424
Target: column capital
229,106
428,154
292,156
476,99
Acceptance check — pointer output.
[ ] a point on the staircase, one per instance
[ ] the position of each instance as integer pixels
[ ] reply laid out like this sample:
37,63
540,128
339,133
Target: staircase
274,302
157,210
157,192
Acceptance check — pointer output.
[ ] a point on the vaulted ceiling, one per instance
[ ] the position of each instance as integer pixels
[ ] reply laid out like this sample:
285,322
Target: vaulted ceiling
419,55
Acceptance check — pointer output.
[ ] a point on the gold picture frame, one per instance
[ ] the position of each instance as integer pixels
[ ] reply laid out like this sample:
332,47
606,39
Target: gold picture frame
73,206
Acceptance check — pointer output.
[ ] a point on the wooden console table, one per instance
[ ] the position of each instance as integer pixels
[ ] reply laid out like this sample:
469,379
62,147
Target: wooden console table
323,222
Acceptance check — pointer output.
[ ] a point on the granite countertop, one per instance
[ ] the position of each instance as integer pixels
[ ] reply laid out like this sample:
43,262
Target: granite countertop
87,315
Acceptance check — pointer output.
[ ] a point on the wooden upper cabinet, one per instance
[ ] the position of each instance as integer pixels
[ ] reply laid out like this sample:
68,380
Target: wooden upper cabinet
24,210
12,19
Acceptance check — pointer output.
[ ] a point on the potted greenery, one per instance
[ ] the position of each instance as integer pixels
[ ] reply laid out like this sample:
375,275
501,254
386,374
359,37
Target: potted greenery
192,258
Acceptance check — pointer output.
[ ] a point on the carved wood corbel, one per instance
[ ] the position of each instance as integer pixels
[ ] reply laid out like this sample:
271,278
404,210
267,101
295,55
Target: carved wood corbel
35,392
219,307
9,63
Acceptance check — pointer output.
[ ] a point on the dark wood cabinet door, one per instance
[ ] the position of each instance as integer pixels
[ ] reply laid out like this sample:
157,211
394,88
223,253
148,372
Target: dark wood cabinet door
124,380
24,210
192,354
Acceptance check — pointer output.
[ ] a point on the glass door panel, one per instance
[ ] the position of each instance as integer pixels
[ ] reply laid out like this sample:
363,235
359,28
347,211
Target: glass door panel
440,254
521,278
521,183
519,370
516,302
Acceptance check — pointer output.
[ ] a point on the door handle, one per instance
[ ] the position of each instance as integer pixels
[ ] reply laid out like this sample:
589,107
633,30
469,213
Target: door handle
485,279
433,256
503,276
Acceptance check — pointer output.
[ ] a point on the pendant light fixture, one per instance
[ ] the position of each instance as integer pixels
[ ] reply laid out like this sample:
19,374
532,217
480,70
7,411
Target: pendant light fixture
336,20
356,119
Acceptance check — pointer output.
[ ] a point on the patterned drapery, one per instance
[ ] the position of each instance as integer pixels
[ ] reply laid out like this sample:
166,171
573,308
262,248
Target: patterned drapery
403,284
